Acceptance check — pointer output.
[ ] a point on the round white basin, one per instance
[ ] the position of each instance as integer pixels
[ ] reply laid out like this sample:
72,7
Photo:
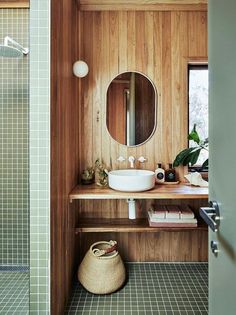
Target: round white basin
131,180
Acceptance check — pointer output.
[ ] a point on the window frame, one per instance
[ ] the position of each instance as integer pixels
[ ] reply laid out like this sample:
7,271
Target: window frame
195,66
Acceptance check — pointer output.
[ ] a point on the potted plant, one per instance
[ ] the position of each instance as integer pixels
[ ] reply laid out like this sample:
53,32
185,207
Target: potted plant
88,176
190,155
102,173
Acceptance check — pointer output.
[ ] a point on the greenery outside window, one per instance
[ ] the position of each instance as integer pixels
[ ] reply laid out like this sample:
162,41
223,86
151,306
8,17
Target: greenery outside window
198,107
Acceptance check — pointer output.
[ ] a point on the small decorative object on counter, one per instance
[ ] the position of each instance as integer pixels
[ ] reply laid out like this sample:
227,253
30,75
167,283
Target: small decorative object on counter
170,175
159,174
196,179
102,270
88,176
102,173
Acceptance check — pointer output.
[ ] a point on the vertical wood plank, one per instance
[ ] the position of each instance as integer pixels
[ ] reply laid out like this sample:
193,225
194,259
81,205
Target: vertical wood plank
166,81
64,151
197,26
179,31
123,67
149,146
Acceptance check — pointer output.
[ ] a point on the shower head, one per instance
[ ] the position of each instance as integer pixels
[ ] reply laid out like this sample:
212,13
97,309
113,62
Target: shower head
10,51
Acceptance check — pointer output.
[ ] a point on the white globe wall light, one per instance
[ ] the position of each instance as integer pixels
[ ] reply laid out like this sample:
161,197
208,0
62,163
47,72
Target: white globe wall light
80,69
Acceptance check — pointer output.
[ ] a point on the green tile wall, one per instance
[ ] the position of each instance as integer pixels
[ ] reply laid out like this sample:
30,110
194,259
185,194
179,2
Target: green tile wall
14,110
39,155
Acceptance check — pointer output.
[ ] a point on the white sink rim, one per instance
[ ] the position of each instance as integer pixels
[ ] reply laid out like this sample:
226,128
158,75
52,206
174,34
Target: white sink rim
133,172
131,180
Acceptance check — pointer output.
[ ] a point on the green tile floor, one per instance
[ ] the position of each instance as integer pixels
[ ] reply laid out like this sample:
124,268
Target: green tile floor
151,289
14,292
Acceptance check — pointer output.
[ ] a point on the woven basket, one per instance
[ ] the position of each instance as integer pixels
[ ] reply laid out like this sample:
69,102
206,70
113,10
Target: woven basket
102,270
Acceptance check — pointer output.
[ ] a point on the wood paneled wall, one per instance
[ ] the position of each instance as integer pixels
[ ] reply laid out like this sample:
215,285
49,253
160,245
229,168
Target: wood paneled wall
160,45
64,150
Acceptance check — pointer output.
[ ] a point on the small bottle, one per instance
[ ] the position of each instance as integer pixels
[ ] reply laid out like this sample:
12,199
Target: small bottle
159,174
170,175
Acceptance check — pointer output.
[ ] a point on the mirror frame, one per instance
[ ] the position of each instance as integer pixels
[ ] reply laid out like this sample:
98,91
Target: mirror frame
155,114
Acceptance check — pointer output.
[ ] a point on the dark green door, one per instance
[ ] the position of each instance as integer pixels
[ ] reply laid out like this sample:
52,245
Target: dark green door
222,135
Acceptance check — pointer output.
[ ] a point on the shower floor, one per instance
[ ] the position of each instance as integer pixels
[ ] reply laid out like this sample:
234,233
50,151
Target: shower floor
14,292
152,288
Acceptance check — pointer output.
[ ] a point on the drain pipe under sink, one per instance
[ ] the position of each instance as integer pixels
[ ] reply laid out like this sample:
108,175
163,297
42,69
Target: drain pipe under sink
131,208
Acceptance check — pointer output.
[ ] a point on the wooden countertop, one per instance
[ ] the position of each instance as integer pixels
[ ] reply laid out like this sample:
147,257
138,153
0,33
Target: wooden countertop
180,191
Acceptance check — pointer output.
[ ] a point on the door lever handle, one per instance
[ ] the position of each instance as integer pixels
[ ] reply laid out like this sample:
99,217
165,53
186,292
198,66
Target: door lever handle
211,215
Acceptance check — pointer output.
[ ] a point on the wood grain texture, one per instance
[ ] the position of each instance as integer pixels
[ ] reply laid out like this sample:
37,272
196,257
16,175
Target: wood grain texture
159,192
64,151
88,225
14,4
158,44
145,2
180,245
143,5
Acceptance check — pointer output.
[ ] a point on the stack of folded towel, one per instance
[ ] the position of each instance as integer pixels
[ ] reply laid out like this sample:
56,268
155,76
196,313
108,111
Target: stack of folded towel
171,216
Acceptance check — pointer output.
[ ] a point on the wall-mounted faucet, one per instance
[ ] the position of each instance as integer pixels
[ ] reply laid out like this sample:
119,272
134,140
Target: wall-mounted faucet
121,159
142,159
131,159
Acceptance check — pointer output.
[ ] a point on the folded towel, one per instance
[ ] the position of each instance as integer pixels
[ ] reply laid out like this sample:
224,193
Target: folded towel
180,223
172,212
186,212
159,213
168,220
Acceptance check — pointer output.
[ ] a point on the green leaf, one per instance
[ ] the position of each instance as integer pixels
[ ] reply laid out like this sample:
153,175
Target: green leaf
194,135
205,164
181,156
192,157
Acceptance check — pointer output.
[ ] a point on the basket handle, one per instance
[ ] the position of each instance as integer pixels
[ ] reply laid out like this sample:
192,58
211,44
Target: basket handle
101,252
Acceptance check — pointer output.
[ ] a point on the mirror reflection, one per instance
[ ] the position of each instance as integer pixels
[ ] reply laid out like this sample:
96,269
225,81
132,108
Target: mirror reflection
131,108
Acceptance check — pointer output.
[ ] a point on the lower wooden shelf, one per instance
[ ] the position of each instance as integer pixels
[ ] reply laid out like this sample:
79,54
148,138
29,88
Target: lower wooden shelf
125,225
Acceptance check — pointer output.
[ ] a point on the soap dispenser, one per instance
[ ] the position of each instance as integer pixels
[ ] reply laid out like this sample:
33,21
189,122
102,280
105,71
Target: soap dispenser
159,174
170,175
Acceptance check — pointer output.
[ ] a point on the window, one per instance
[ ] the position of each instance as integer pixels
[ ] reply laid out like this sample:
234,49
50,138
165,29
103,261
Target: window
198,104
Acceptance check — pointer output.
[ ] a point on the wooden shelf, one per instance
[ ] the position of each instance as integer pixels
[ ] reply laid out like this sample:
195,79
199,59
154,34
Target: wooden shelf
142,5
126,225
9,4
180,191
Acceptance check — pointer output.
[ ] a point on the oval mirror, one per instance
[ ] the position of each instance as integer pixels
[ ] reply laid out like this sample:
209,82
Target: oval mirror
131,108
